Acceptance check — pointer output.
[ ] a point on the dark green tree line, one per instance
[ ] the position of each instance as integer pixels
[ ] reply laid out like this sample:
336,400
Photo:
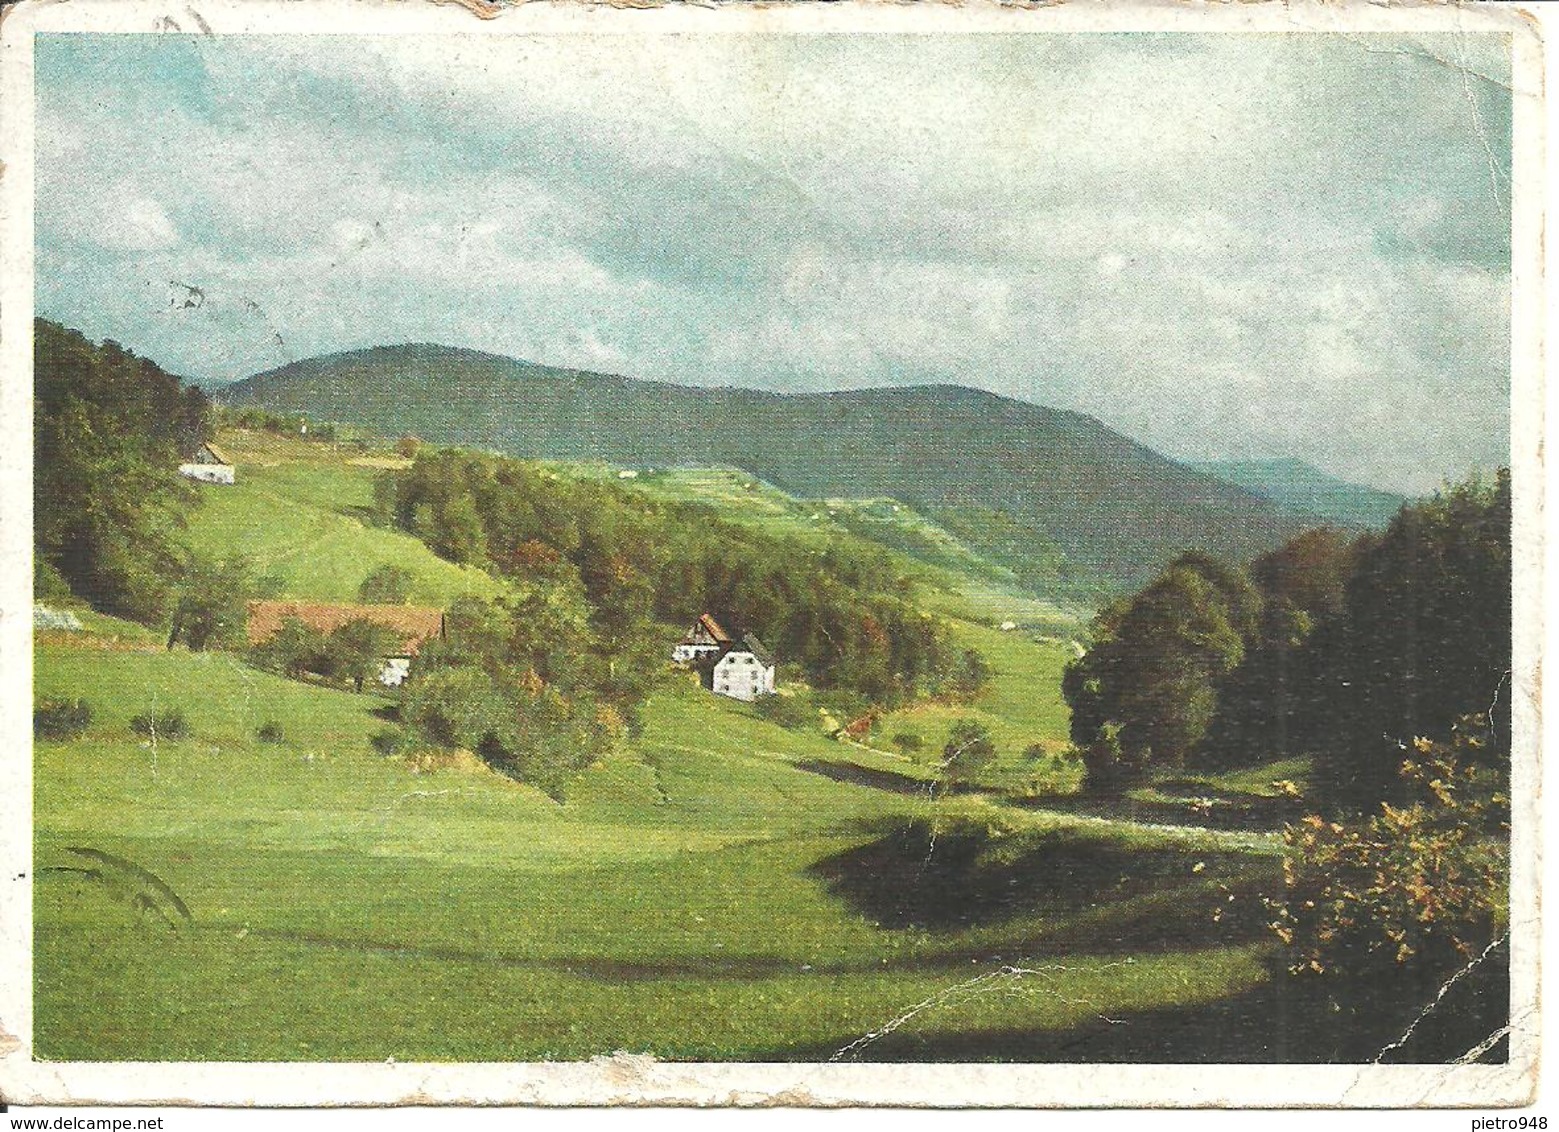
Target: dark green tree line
842,616
1344,650
109,430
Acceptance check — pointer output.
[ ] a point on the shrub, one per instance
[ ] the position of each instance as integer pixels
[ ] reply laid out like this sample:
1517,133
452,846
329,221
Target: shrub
388,741
1034,752
387,584
908,742
270,732
1424,884
295,649
1385,915
169,724
843,704
786,711
968,751
61,719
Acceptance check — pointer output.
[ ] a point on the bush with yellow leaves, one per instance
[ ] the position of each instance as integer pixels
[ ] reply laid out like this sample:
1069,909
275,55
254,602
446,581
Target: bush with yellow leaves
1422,888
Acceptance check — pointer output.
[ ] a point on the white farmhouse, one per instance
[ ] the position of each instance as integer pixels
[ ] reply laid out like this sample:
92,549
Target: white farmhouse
745,672
208,465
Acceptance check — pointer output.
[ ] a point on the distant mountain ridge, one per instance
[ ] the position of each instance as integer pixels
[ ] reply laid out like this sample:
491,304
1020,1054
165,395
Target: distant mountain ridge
1305,489
1114,509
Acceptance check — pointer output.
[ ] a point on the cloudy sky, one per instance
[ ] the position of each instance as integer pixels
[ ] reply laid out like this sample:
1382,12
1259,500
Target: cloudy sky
1225,247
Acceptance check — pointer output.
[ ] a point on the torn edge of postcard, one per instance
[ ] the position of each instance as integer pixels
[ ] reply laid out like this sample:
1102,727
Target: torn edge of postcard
636,1080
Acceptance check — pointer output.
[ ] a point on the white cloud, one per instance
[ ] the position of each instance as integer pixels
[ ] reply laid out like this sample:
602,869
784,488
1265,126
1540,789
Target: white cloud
1261,246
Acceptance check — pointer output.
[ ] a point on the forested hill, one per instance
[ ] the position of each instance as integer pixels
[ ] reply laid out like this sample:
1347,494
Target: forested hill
1113,509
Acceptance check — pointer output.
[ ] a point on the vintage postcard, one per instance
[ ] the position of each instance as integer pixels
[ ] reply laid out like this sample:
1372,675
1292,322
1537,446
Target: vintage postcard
805,554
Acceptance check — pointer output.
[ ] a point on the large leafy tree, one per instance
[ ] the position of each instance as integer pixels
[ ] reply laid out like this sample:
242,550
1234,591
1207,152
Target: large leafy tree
1423,638
209,608
1146,692
1265,705
359,648
109,429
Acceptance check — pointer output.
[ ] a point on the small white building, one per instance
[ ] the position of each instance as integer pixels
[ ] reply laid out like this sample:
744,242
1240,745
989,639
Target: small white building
395,671
705,640
208,465
745,672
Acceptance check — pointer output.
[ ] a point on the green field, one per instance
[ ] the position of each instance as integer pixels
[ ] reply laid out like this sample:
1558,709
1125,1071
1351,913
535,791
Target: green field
299,513
720,888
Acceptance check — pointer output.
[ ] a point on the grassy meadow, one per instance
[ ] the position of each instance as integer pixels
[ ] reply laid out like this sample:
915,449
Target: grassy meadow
300,512
720,888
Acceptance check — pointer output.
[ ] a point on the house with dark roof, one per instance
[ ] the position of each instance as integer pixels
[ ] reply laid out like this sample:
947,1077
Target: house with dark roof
209,465
742,669
745,671
412,625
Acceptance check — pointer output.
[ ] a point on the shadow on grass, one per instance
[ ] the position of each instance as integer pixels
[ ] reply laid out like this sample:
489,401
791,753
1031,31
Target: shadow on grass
601,969
1243,812
964,876
890,780
855,775
1201,808
1285,1021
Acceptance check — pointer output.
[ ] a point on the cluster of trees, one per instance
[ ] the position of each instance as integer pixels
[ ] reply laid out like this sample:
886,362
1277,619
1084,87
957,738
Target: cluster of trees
511,682
1386,661
282,424
842,616
109,431
350,652
1344,650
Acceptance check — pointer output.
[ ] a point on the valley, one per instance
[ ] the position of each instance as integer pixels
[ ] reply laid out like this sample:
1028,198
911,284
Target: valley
699,894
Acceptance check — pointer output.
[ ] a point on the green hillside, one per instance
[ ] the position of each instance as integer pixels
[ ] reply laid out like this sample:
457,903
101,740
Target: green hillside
299,512
1095,506
697,898
1303,489
957,580
718,888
